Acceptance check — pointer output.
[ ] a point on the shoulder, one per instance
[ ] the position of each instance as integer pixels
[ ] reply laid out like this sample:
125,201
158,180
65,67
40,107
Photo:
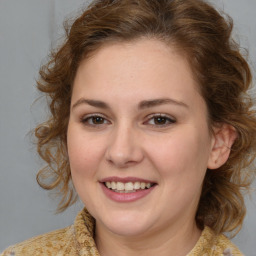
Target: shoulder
225,246
53,243
211,244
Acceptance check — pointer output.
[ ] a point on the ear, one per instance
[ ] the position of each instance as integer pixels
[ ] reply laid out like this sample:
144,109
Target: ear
223,138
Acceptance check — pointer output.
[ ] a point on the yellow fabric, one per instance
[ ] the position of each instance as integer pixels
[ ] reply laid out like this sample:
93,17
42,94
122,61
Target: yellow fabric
78,240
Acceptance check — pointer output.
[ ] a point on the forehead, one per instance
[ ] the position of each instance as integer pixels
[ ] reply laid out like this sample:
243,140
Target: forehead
145,67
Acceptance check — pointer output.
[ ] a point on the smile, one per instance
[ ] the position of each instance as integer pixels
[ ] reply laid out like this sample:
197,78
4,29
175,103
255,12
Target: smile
127,187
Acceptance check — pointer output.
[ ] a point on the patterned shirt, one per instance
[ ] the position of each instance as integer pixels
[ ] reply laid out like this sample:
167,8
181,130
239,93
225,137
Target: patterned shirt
77,240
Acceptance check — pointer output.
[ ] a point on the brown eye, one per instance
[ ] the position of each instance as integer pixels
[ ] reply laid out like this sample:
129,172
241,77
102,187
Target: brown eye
94,120
97,120
160,120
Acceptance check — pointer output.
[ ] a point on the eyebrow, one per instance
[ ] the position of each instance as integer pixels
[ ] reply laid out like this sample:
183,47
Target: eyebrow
156,102
142,105
94,103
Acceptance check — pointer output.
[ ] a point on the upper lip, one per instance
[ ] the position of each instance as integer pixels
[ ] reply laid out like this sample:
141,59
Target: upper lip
125,179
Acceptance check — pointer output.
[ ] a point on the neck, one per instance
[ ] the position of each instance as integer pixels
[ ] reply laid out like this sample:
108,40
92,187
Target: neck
179,242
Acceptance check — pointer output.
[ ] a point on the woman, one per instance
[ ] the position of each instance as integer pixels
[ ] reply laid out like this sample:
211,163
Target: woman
151,123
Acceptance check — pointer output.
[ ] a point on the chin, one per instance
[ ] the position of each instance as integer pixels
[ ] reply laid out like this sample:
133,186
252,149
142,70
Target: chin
127,230
126,225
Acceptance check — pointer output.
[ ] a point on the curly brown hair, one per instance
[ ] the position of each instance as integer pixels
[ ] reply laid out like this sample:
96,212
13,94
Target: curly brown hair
223,75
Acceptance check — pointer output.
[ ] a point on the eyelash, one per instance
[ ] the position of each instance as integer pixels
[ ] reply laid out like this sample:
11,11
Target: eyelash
86,119
166,118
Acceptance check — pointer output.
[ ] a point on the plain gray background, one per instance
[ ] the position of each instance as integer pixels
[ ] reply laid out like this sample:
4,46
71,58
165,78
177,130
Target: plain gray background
28,29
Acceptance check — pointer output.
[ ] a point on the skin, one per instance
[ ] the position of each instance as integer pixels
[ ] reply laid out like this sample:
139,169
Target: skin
127,141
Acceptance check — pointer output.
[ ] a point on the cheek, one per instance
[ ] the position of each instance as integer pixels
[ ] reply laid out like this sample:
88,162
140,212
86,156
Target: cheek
83,156
184,154
182,164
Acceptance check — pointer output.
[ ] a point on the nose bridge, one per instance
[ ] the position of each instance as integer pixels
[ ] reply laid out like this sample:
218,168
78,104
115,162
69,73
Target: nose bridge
123,148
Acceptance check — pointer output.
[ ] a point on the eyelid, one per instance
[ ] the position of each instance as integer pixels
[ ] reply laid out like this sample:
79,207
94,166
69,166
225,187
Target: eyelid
92,115
171,119
86,117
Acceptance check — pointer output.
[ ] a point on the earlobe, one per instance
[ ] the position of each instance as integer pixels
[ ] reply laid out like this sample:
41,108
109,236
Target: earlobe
222,141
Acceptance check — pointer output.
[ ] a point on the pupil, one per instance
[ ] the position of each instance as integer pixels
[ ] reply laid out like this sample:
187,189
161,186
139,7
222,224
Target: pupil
160,120
97,120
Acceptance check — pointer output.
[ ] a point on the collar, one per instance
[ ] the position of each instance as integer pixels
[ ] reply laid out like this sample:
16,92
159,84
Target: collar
84,229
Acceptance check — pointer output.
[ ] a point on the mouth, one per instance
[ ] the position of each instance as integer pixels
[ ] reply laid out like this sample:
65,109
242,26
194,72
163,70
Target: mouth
128,187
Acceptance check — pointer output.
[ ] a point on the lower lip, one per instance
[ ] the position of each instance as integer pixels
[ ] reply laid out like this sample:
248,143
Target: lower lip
126,197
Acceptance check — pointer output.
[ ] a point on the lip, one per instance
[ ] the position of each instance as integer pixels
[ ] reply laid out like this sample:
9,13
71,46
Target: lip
126,197
125,179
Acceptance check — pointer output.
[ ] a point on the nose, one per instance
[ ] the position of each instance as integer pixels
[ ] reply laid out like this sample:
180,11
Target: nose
124,149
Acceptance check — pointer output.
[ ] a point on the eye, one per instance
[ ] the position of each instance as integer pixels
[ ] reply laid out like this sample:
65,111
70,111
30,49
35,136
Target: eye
94,120
160,120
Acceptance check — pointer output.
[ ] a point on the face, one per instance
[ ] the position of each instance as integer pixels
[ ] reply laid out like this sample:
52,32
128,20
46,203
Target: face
138,139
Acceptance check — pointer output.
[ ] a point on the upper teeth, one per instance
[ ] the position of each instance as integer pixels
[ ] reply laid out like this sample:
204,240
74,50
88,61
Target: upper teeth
128,186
